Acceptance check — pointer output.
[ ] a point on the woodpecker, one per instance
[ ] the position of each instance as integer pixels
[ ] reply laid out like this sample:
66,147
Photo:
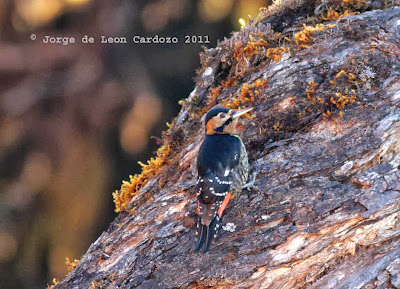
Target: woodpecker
222,169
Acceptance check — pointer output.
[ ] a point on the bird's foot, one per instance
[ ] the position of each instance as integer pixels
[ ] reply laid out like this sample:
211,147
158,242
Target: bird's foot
251,184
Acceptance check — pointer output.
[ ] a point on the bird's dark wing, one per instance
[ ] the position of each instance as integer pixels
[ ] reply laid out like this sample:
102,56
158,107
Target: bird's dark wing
212,188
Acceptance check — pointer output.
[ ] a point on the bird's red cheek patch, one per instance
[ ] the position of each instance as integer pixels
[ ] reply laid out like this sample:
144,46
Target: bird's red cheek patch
224,204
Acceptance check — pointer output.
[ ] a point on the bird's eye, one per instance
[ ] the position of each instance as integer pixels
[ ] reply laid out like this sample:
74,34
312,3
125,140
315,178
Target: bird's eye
222,115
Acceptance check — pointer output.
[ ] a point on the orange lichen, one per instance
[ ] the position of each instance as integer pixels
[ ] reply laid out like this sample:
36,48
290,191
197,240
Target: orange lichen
228,83
304,38
275,36
351,76
276,52
258,44
340,73
252,46
71,265
55,282
327,114
243,53
249,91
216,92
332,15
248,94
340,100
260,83
277,126
342,91
238,53
129,189
94,285
235,103
311,91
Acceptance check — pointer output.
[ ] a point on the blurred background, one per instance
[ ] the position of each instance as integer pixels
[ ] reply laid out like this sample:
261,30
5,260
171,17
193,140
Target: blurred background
75,119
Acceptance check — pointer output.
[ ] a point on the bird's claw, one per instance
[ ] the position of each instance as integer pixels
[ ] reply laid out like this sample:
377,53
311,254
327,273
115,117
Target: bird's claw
251,184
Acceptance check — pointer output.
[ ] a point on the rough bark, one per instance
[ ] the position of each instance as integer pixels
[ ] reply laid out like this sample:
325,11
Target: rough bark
326,212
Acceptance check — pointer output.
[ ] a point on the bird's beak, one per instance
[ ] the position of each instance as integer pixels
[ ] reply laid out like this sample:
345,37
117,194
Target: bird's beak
237,113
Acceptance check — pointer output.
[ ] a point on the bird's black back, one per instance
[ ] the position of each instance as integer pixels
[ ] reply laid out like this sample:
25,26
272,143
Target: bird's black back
218,157
217,153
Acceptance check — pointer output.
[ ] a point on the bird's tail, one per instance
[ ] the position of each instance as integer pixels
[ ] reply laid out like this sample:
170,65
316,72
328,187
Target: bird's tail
205,233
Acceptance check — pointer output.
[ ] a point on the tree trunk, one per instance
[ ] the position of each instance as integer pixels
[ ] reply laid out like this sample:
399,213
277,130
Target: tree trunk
325,144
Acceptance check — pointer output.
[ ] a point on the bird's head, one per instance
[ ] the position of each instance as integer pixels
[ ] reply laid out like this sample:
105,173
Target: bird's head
220,120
